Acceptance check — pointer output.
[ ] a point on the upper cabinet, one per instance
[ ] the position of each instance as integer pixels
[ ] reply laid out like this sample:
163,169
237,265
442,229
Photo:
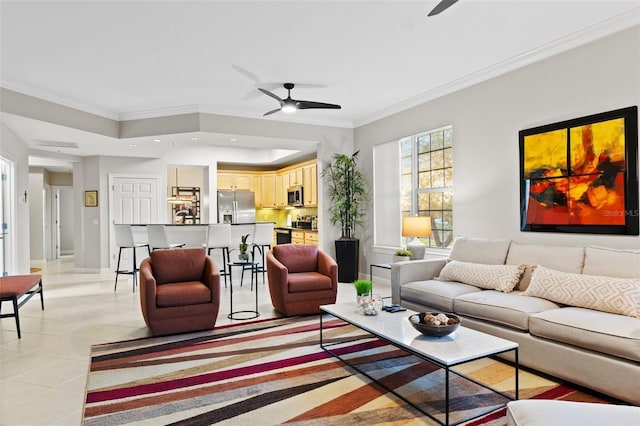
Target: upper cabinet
295,177
271,188
235,180
282,185
265,191
310,183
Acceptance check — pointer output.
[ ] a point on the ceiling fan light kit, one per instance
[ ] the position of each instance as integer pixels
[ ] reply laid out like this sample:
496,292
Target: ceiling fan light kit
289,105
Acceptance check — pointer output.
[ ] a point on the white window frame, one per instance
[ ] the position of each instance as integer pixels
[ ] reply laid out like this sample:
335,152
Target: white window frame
442,234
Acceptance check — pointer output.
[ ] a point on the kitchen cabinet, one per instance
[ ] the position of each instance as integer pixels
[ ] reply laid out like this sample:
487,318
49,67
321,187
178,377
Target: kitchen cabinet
295,177
297,237
310,182
234,180
282,185
265,190
311,237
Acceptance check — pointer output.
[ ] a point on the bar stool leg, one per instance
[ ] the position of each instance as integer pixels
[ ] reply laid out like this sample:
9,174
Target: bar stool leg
117,270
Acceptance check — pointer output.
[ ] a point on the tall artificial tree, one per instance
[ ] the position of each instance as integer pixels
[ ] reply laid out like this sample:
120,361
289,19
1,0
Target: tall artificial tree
348,192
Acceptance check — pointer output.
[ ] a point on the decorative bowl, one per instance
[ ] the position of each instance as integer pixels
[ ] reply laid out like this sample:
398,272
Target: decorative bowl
421,322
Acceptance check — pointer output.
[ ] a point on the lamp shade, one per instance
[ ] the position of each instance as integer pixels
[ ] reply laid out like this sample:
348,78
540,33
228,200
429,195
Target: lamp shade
416,226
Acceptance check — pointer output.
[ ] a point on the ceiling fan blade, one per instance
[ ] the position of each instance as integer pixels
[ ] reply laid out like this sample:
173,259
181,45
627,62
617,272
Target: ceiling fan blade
441,7
246,73
271,112
268,93
316,105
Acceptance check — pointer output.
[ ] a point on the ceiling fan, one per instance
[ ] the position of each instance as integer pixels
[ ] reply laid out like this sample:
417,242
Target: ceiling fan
441,7
289,105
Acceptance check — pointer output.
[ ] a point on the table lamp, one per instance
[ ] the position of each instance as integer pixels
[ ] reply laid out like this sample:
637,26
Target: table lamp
416,226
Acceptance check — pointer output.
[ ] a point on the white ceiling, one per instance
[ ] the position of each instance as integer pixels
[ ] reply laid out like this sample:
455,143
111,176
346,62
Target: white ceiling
136,59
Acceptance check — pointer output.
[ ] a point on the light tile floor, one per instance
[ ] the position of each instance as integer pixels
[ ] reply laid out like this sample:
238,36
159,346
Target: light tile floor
43,375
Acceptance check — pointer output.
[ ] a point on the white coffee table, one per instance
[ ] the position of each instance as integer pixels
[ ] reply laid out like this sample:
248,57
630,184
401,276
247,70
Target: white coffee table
462,346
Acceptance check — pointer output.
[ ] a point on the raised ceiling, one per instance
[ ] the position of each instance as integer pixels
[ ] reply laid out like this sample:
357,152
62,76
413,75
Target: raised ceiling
136,59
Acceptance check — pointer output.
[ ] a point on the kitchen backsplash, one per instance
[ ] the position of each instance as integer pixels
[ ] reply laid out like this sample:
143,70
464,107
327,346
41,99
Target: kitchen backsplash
279,217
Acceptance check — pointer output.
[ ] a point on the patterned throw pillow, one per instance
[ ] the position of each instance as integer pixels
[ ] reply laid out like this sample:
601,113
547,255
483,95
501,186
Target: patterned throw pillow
494,277
607,294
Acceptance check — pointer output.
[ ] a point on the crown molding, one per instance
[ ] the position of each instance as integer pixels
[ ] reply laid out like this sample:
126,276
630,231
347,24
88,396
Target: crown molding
595,32
59,100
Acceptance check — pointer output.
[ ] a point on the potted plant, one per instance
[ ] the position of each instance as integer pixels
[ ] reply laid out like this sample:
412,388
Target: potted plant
244,256
348,192
362,287
402,254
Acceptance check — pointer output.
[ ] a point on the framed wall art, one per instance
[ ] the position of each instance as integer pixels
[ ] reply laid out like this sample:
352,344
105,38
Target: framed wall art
581,175
91,198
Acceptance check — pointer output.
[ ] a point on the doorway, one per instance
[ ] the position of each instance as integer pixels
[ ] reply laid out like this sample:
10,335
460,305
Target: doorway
132,200
7,202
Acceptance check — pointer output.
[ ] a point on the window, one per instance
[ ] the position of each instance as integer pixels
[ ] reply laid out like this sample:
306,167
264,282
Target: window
426,168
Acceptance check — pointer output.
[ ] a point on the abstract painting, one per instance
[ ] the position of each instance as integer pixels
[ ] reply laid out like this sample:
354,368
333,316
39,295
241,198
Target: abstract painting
581,175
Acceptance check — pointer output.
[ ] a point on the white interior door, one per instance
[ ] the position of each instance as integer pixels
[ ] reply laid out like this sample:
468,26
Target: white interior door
133,200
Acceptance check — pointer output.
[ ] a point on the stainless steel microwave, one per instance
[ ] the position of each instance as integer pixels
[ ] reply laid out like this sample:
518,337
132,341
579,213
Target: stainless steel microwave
295,196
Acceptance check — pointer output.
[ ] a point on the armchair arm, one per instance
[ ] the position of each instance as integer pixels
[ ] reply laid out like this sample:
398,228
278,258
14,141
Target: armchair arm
211,278
147,288
277,273
327,266
413,270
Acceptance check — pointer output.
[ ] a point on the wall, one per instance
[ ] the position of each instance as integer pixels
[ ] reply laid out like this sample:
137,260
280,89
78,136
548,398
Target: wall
15,149
486,118
36,215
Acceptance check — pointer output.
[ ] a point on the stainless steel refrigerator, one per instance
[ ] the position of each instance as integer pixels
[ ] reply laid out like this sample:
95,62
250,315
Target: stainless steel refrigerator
236,206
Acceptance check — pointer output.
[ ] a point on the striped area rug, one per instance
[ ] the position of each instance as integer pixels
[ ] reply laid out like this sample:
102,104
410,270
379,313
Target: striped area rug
274,372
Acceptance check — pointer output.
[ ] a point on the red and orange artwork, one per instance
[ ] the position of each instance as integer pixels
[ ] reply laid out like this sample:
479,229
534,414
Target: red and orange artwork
575,176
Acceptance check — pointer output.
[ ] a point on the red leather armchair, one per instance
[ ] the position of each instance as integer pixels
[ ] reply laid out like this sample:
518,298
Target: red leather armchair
301,278
179,291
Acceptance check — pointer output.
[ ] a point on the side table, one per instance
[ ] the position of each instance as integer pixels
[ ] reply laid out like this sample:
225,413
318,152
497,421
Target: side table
254,272
377,265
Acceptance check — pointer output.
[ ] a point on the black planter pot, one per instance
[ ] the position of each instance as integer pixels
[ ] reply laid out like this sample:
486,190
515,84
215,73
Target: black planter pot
347,257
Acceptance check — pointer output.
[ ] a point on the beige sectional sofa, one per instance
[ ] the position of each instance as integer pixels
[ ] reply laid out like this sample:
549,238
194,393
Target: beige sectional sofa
573,310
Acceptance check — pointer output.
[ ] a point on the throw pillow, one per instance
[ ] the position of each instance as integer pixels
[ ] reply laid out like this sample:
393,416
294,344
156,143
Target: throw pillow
494,277
607,294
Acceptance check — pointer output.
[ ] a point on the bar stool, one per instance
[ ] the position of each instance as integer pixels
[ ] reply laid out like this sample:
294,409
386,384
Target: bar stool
158,238
124,240
262,240
219,238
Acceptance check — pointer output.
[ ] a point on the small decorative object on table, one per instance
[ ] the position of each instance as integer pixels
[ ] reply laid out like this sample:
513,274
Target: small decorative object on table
244,255
402,255
370,304
363,287
434,324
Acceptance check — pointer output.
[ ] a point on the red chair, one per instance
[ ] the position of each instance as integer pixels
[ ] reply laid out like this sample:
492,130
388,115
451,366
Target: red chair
179,291
301,278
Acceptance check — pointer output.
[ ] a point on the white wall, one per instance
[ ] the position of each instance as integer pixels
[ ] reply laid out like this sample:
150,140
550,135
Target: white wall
36,216
597,77
66,220
15,149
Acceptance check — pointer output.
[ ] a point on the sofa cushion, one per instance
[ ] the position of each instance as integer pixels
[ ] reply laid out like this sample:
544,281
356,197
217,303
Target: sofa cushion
479,250
566,259
170,266
612,263
437,294
495,277
546,412
182,294
614,295
297,257
612,334
308,281
512,310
